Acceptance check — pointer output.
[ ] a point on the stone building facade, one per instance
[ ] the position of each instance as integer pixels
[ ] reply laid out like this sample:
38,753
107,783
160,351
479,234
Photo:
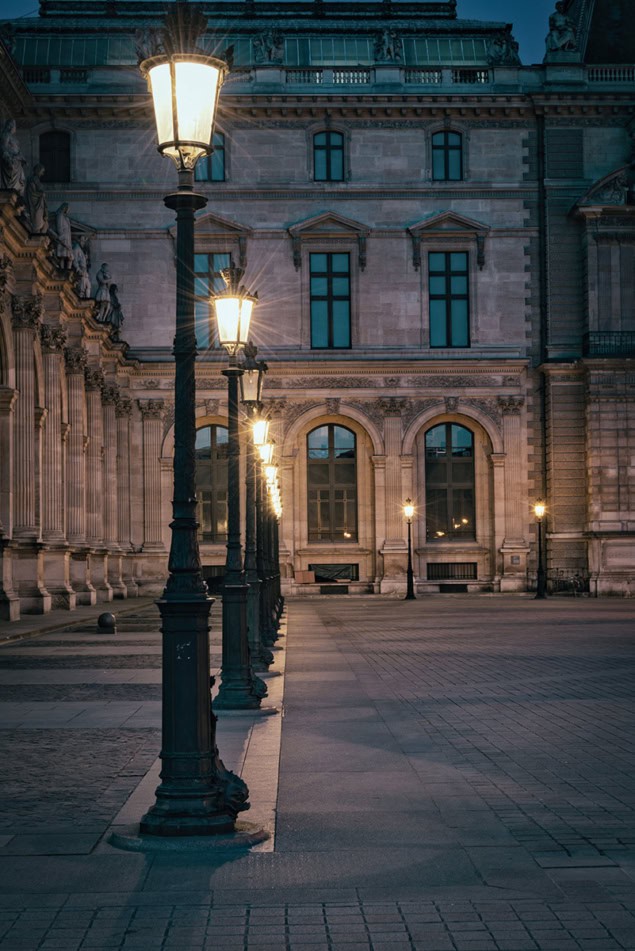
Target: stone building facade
443,241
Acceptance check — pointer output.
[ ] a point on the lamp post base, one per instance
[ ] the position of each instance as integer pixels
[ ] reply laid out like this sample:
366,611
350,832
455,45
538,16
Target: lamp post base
239,688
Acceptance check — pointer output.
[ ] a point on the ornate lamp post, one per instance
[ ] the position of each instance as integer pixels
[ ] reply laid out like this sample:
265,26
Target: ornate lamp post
197,795
251,383
409,511
239,688
541,581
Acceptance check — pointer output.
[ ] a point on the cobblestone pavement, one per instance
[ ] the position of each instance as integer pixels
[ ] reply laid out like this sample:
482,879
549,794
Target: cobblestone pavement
455,773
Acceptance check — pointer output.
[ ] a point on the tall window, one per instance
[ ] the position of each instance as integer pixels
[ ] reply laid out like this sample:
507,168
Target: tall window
330,301
447,157
55,156
207,278
332,484
211,168
449,299
211,482
328,157
449,458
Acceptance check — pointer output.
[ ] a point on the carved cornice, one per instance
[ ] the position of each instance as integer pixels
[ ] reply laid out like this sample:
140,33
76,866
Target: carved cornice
510,405
26,312
53,339
152,409
75,359
94,378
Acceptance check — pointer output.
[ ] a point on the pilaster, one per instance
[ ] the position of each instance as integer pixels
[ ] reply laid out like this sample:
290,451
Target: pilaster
109,398
123,410
76,449
95,485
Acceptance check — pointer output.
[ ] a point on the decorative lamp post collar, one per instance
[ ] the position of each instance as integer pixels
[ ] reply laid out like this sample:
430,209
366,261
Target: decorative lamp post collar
185,84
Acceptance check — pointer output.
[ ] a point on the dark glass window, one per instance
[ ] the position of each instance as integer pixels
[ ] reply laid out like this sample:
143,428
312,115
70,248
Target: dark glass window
207,279
449,459
330,301
211,482
55,156
449,299
328,157
332,484
211,168
447,157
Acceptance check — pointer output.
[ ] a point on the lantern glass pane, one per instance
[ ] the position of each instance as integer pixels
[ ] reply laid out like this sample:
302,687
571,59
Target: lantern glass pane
161,87
409,510
249,383
196,88
266,452
227,318
245,319
261,431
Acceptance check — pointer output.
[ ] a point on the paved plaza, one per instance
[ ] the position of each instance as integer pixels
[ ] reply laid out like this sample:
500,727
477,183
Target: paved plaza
455,773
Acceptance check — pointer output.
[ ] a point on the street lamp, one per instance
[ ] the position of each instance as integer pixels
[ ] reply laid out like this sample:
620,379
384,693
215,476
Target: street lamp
541,580
196,795
251,383
409,511
239,688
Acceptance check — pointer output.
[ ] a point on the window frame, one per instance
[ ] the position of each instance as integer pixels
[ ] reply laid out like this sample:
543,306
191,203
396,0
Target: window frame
330,298
212,537
206,162
329,536
47,178
448,296
329,148
450,486
446,149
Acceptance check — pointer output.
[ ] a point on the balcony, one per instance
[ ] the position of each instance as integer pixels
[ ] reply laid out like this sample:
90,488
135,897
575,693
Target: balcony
609,343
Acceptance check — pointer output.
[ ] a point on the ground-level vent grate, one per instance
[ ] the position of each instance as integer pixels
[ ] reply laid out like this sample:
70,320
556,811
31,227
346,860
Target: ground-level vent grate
452,571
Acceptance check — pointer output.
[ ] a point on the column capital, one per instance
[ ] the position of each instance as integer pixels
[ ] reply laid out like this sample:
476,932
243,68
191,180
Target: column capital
26,311
109,395
53,339
94,378
510,405
152,409
75,359
123,407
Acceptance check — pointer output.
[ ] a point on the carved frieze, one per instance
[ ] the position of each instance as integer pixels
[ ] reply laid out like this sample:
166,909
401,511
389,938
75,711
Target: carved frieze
432,381
75,359
53,339
417,407
489,407
333,406
275,409
329,382
26,312
371,409
392,405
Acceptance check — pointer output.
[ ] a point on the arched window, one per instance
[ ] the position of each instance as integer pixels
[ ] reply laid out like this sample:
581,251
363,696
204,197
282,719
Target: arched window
328,157
332,484
447,156
211,482
449,459
55,156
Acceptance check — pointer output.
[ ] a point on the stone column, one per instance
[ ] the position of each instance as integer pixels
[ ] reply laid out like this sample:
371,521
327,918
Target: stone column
95,485
28,560
395,548
515,547
154,565
56,553
109,398
9,599
76,449
123,409
503,559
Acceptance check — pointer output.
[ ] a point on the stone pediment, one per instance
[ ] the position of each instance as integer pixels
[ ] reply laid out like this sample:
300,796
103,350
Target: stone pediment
218,226
450,224
328,224
610,190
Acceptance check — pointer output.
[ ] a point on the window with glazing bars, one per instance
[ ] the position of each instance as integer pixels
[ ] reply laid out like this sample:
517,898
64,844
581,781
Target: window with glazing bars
207,280
449,299
330,301
55,155
449,478
332,484
211,168
211,483
447,157
328,157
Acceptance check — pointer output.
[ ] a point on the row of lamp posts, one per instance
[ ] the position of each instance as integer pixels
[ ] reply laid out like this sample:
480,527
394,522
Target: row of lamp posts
197,795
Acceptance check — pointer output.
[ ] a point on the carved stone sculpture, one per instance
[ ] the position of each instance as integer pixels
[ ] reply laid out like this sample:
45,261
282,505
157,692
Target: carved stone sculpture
80,268
35,200
561,36
502,50
269,47
12,163
388,47
102,297
115,317
63,240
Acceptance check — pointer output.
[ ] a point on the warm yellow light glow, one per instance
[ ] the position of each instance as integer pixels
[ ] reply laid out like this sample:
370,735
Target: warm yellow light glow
266,452
408,509
465,521
271,473
440,534
347,534
233,315
539,508
260,431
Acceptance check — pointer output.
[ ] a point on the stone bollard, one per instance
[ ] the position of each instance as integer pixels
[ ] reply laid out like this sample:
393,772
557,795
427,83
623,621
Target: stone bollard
106,623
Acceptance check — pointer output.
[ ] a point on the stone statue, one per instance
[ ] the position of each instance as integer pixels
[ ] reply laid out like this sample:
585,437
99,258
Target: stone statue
269,47
102,297
561,36
8,37
115,317
80,268
148,42
12,163
63,241
502,50
35,200
387,47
